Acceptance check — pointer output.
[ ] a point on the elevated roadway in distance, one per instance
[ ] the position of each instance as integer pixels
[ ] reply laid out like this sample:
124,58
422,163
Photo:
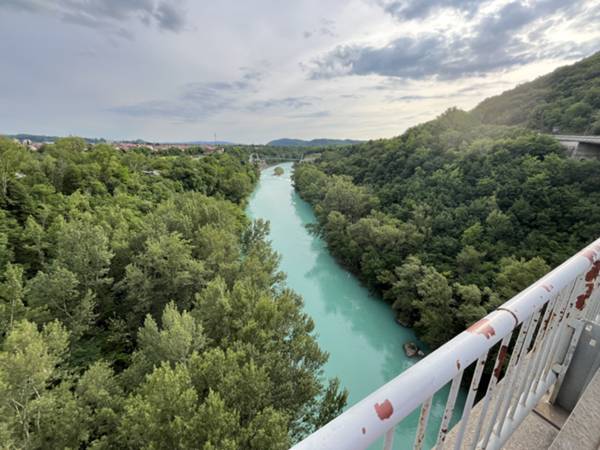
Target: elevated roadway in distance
580,147
261,160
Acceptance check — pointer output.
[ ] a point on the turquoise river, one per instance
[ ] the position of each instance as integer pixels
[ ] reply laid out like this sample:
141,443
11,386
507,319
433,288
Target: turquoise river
354,326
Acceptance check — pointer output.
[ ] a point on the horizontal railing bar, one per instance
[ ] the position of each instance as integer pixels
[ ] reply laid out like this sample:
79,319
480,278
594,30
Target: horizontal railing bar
368,420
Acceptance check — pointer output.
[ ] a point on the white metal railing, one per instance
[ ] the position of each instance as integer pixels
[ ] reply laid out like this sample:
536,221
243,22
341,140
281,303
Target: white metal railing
531,339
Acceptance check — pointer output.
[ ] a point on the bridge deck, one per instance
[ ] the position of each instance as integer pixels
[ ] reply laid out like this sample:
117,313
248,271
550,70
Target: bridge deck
577,138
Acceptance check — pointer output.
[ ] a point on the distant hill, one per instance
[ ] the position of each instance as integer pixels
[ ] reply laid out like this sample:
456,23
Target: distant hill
313,143
564,101
33,137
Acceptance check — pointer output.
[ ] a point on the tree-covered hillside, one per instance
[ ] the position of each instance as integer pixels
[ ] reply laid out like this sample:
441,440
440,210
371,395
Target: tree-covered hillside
564,101
453,217
140,309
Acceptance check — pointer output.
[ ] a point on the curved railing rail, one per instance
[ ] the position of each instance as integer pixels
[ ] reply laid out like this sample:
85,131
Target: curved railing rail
532,338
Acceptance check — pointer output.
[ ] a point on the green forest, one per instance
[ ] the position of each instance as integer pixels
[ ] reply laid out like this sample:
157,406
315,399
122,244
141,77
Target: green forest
452,218
564,101
141,309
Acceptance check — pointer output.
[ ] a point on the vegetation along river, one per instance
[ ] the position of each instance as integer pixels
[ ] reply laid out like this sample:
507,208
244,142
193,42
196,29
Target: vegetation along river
355,327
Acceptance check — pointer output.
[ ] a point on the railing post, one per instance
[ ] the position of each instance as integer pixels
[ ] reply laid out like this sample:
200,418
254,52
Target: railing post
490,388
577,326
423,419
443,432
470,399
389,439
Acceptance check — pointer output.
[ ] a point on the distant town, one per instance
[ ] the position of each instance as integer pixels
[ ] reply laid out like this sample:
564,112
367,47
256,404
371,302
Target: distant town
206,149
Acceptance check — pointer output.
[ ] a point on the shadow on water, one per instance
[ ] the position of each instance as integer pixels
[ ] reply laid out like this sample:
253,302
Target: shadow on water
354,326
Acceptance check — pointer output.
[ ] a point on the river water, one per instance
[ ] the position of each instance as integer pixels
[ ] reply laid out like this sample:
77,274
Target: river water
355,327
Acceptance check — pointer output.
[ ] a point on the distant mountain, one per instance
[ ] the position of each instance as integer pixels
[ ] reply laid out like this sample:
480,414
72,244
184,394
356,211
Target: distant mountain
313,143
564,101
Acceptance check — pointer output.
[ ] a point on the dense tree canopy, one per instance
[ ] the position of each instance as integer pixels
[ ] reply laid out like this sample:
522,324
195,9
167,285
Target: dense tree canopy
452,217
139,308
564,101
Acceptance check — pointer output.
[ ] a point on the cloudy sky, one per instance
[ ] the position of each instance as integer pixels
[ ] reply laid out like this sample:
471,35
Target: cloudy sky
255,70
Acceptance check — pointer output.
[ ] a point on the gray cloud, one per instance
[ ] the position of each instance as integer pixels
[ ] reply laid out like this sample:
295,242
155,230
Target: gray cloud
412,98
478,87
310,115
199,105
250,76
399,90
283,103
474,90
420,9
326,28
500,29
197,101
406,57
169,16
495,43
327,32
107,14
